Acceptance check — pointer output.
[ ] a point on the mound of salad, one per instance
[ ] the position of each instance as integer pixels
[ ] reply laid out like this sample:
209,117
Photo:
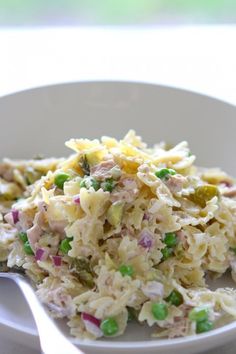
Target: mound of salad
120,232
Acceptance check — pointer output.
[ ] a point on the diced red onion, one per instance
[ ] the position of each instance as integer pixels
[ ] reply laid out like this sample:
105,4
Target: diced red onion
41,254
57,260
146,216
92,324
226,184
146,239
77,199
87,317
15,216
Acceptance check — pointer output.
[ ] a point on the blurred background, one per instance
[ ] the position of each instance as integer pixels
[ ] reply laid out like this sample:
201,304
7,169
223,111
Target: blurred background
182,43
115,12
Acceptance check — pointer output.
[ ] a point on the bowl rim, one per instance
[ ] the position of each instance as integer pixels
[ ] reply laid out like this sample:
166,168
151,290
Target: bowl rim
118,82
229,329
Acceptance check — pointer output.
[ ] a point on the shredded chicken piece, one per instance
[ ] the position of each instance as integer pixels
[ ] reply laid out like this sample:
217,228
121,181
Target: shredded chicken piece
58,311
152,289
183,238
180,328
58,225
230,192
26,220
58,301
127,193
175,183
33,235
102,170
7,233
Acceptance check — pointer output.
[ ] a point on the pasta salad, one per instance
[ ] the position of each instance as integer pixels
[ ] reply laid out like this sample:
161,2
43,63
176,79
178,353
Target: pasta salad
120,232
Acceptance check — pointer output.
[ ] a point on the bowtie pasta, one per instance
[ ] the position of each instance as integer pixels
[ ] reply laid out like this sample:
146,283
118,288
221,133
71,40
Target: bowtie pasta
119,232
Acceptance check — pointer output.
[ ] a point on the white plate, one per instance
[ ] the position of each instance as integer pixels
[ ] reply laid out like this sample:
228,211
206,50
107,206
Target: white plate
40,120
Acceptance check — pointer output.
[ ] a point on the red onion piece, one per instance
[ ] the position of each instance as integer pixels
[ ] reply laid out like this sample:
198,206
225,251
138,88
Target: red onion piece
92,324
57,260
87,317
77,199
226,184
41,254
146,239
15,216
146,216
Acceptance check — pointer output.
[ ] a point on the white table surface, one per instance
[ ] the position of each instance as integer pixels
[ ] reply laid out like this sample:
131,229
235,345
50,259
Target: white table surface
201,59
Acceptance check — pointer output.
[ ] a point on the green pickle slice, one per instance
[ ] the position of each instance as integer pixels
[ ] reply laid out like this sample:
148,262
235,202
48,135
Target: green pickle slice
203,194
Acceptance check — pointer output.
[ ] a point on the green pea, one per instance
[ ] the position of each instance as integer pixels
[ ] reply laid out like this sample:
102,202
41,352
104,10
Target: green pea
95,185
170,239
198,314
109,185
83,183
166,253
175,298
159,311
126,270
88,182
27,248
23,236
204,326
65,246
164,173
109,326
60,179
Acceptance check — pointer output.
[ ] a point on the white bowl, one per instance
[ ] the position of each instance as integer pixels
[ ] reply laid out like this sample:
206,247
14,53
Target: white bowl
40,120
